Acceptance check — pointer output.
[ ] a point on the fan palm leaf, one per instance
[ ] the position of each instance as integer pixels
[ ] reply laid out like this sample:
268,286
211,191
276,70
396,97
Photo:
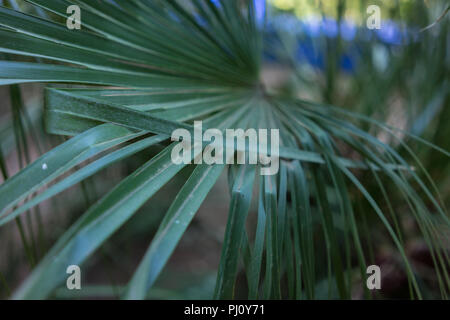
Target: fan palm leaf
150,67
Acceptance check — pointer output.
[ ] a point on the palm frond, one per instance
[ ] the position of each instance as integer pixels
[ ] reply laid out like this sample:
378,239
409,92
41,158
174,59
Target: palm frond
155,66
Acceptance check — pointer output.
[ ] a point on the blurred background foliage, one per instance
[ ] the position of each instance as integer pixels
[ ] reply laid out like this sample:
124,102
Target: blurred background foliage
315,50
398,74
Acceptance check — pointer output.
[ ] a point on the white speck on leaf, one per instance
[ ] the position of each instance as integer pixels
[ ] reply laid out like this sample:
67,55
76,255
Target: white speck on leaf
44,166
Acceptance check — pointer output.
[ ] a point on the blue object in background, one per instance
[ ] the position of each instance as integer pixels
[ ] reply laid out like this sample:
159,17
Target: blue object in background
348,30
329,27
311,51
312,28
390,33
347,62
260,11
307,52
216,2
